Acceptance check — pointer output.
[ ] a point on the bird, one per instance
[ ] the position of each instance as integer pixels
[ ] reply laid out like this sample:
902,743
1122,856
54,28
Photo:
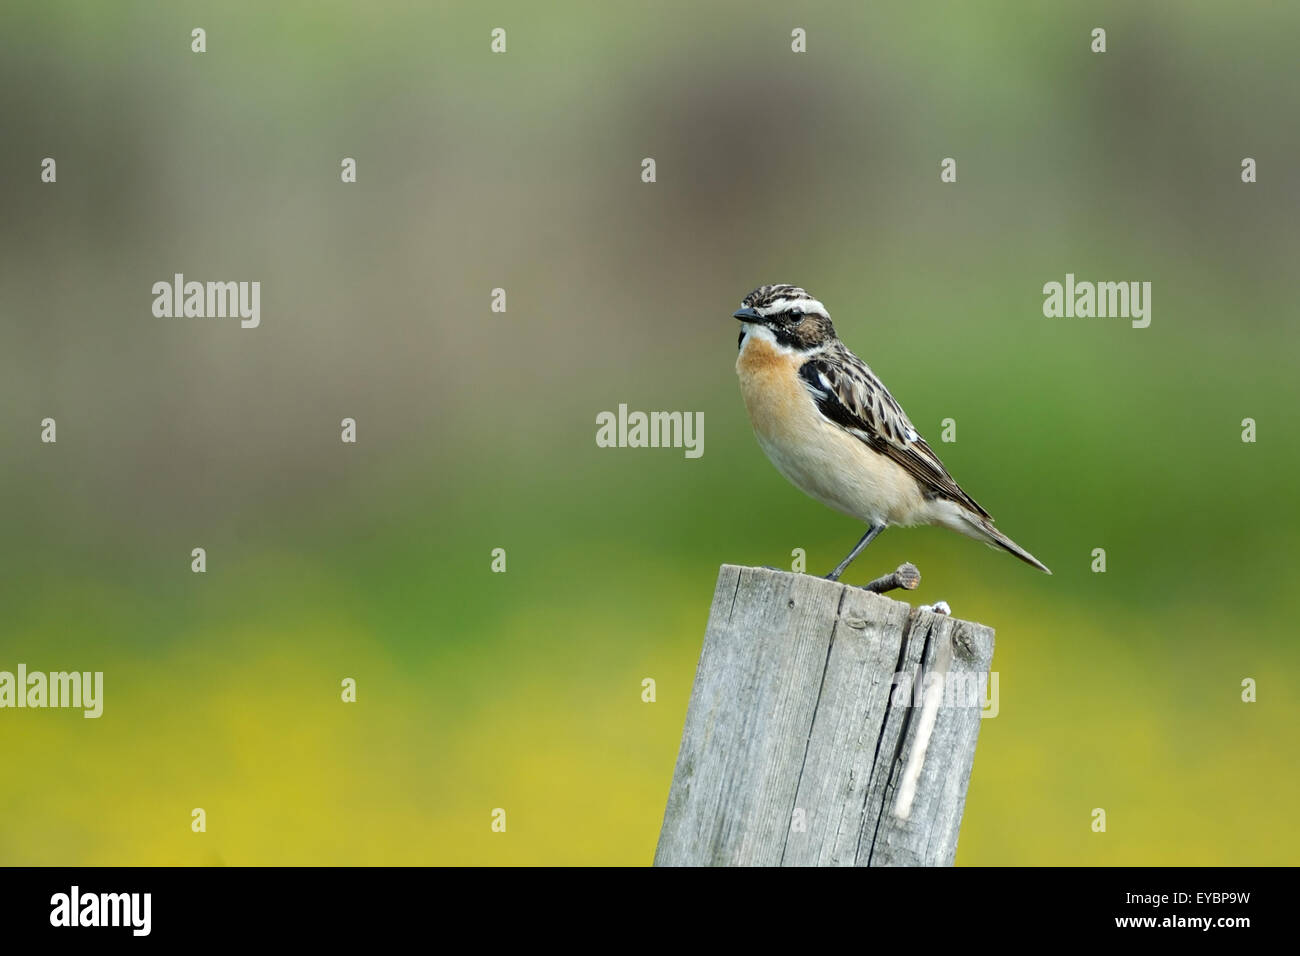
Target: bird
832,429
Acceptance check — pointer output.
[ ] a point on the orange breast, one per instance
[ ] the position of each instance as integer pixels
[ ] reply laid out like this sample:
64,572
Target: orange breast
777,402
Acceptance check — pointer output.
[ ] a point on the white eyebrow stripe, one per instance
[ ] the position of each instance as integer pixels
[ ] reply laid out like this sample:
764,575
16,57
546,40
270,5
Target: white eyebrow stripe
784,304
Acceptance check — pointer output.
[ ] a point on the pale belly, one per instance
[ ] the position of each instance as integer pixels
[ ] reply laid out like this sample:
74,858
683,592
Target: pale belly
817,457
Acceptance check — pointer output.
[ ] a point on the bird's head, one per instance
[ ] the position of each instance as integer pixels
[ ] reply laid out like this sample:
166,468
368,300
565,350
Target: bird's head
789,315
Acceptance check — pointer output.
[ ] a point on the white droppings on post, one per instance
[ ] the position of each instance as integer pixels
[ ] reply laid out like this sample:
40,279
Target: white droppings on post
934,684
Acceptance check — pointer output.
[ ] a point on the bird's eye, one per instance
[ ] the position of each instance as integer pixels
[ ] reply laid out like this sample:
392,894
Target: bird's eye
796,317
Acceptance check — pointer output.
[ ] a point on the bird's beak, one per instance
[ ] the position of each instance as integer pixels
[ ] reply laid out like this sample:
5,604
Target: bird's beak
748,315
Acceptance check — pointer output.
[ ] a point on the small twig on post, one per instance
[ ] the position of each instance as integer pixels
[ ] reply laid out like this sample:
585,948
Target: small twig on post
906,577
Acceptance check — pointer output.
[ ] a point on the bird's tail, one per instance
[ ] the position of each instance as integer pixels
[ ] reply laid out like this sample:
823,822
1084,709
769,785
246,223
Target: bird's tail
981,529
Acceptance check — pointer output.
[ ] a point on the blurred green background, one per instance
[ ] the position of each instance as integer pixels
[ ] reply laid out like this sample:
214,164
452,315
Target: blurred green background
476,430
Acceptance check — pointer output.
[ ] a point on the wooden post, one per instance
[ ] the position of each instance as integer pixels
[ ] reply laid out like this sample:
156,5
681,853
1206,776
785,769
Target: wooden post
799,750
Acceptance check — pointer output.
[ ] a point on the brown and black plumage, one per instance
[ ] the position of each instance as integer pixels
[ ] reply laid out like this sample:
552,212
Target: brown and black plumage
832,428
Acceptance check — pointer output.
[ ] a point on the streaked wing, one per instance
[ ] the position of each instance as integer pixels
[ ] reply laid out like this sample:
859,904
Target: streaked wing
849,394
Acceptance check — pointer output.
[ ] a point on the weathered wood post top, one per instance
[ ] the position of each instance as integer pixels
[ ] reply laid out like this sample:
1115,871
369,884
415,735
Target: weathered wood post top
828,726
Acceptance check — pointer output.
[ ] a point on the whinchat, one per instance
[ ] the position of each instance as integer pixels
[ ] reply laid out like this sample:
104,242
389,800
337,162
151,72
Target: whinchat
830,426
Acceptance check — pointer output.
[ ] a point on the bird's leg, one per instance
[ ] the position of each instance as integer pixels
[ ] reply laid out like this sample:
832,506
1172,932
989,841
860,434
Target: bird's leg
867,538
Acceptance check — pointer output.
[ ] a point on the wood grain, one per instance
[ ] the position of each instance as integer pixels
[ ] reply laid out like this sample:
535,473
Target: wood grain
797,707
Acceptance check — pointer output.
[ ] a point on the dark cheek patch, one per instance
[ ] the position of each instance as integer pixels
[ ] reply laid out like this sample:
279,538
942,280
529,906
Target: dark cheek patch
789,336
741,340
